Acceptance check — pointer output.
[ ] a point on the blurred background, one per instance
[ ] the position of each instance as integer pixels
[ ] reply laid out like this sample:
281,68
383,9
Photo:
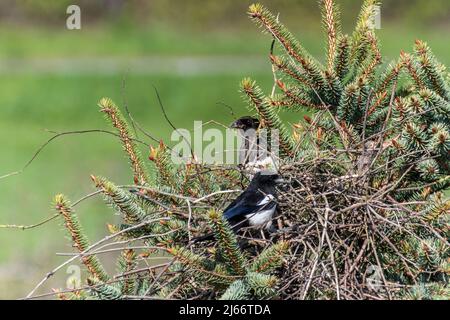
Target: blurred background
195,52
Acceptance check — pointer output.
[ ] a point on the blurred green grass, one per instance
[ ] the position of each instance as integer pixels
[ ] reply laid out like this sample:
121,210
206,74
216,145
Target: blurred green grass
118,41
32,101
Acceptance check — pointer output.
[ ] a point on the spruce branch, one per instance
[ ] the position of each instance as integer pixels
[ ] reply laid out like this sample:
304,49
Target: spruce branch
103,291
341,64
267,113
413,69
368,69
127,263
161,156
262,285
360,45
331,22
349,103
310,66
296,98
438,207
334,89
122,200
439,141
202,267
389,76
80,240
253,286
290,69
429,65
270,259
116,118
227,242
238,290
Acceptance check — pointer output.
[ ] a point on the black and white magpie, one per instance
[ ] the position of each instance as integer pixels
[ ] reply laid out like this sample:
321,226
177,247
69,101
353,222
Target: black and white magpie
253,207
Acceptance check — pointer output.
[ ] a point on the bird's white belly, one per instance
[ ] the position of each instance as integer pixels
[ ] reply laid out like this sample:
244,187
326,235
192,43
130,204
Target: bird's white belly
260,218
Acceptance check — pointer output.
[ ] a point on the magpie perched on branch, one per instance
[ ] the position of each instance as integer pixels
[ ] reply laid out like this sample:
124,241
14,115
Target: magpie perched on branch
255,206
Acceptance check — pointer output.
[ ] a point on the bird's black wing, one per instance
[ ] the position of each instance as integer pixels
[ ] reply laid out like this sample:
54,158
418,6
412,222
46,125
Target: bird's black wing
248,202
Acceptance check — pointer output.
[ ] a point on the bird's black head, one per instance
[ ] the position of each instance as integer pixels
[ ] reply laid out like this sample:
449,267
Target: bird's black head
266,179
245,123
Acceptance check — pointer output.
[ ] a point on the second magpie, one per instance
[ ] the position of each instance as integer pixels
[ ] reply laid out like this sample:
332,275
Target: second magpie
253,207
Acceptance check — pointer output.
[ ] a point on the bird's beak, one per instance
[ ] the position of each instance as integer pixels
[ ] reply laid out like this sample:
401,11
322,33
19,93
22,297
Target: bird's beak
234,125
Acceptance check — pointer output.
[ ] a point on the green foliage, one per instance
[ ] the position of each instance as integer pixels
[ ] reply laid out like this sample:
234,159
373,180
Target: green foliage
356,92
166,171
427,292
80,240
203,269
238,290
271,258
103,291
121,200
117,120
432,71
227,242
126,264
267,113
253,286
227,270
